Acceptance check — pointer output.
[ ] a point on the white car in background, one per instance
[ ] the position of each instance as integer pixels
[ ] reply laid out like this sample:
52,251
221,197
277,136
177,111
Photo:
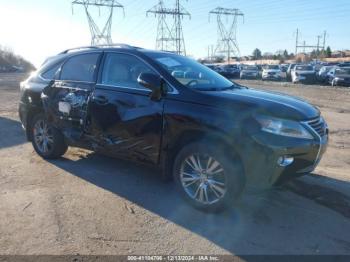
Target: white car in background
303,73
272,72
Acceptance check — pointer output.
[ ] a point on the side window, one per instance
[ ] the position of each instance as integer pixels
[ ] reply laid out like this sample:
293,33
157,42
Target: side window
80,68
50,73
123,70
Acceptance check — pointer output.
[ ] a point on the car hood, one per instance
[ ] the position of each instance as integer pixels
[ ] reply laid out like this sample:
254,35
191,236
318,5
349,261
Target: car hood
266,102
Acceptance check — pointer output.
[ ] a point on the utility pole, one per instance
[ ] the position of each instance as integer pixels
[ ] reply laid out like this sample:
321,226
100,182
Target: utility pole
297,42
99,36
317,46
324,40
227,40
318,43
170,38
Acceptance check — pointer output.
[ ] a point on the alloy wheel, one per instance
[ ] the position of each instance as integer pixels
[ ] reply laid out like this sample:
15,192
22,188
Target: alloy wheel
203,178
43,136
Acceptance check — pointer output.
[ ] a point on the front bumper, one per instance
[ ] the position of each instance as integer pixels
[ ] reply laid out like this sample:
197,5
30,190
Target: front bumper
263,153
249,76
230,74
305,79
272,77
339,82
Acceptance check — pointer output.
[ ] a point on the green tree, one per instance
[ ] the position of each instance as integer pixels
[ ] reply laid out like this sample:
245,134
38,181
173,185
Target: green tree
285,54
257,53
328,52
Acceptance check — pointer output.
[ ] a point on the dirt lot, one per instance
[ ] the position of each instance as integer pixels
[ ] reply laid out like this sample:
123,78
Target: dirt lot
89,204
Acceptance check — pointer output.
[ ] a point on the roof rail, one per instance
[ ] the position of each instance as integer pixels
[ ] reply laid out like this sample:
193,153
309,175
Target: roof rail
96,47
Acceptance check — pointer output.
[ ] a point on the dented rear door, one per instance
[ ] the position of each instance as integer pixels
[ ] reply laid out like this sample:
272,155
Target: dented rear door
66,100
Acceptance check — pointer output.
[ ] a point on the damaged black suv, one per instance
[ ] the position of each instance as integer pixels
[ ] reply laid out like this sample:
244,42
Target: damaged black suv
213,136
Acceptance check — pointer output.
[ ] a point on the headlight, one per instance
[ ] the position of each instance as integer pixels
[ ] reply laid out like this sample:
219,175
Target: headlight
283,127
339,78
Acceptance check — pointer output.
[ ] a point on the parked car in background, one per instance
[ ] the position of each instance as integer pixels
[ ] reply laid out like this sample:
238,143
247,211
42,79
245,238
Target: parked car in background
212,136
318,67
284,67
339,76
322,75
272,72
260,68
345,64
211,66
249,72
304,74
289,71
230,71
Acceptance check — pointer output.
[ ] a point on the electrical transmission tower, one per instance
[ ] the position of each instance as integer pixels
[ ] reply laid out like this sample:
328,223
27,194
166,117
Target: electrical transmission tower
164,39
170,38
227,42
99,36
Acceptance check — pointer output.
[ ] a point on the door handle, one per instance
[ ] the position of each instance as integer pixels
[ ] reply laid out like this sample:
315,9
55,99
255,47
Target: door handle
102,100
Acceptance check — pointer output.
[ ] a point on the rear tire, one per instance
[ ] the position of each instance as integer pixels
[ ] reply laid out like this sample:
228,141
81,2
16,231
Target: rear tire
47,141
207,178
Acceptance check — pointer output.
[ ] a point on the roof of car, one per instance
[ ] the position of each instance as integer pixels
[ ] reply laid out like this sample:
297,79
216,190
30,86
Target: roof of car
98,47
111,47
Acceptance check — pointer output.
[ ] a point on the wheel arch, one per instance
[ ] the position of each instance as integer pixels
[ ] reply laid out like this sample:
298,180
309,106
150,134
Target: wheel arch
194,135
32,112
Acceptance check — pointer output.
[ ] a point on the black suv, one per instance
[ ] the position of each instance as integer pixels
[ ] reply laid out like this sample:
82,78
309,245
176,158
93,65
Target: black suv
213,136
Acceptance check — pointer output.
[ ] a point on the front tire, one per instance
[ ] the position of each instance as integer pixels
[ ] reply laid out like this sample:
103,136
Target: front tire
47,141
207,178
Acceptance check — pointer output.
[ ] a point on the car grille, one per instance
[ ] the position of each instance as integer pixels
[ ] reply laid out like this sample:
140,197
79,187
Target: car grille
318,125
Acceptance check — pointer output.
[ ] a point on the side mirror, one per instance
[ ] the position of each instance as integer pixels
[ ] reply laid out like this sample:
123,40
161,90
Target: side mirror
154,83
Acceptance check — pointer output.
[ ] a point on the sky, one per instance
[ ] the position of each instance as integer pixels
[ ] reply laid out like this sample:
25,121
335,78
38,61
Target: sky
36,29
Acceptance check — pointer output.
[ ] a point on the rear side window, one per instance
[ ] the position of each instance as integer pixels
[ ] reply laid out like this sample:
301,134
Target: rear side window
50,73
80,68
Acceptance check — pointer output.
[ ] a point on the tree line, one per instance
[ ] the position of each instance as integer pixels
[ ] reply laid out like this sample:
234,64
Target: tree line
283,55
10,62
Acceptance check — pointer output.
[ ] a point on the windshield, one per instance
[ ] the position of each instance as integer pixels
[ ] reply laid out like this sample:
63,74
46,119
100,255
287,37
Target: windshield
304,68
254,68
191,73
275,67
343,71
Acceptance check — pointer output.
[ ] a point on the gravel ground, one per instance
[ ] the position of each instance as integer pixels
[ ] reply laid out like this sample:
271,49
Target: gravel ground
85,203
